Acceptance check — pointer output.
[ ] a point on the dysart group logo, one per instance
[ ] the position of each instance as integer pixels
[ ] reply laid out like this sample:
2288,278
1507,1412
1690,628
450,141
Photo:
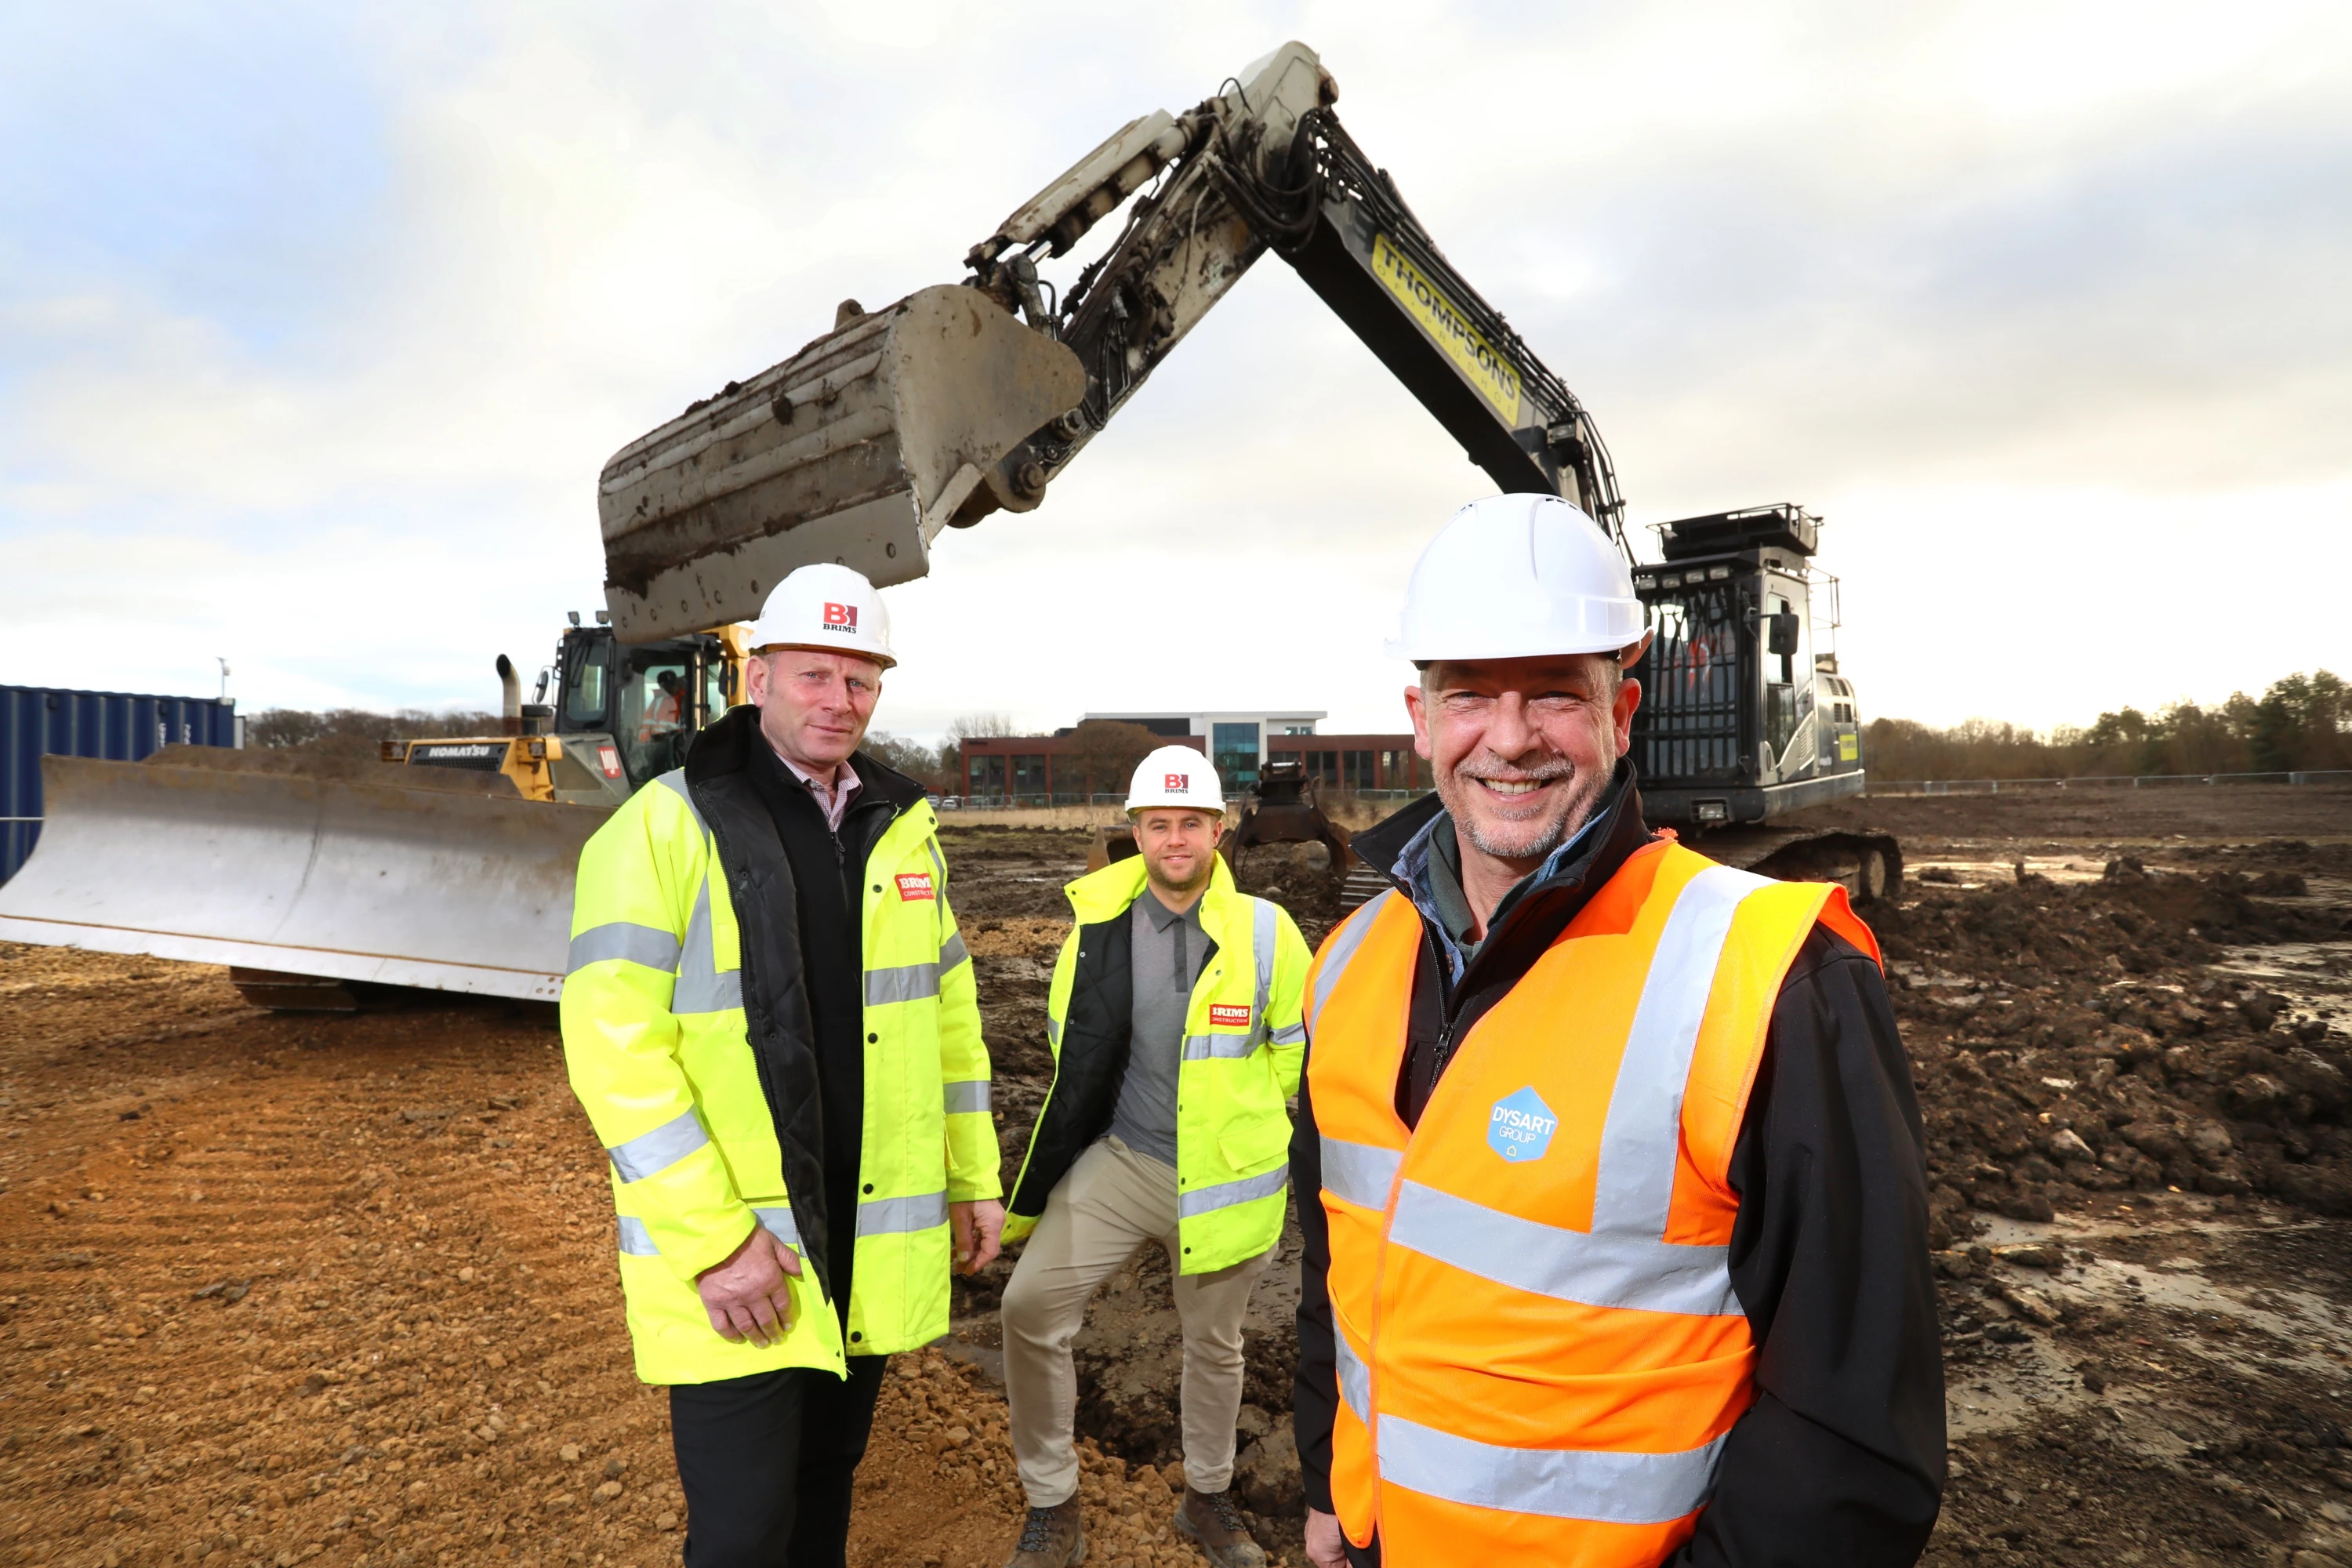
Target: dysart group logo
1520,1127
841,618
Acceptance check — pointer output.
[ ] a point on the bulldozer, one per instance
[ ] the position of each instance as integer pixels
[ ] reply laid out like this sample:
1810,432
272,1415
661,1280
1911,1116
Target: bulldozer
332,884
864,447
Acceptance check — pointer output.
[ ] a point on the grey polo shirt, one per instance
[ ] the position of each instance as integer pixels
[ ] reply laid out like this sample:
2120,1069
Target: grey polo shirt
1169,950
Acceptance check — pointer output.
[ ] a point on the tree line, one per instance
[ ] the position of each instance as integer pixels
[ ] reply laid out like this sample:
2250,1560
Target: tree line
2301,723
1099,756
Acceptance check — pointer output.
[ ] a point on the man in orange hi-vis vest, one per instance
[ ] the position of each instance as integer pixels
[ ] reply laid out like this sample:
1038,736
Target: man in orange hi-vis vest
1607,1155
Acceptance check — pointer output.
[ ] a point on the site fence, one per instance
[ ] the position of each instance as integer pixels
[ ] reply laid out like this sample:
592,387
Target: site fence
2103,781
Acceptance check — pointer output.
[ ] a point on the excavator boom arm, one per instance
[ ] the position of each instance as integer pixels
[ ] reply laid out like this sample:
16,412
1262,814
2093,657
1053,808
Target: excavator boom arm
1264,167
940,409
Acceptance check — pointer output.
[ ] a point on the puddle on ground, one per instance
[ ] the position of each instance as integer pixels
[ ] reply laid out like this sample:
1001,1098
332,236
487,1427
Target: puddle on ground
2315,977
1984,873
2273,1324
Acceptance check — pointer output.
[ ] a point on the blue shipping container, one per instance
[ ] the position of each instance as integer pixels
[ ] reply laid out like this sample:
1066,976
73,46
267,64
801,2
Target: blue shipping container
117,725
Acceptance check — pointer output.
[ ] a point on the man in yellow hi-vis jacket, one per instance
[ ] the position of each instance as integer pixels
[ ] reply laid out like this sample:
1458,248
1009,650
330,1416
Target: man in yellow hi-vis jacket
770,1018
1174,1019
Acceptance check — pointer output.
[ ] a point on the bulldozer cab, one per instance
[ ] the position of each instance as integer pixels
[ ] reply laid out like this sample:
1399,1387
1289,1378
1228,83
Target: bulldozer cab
650,697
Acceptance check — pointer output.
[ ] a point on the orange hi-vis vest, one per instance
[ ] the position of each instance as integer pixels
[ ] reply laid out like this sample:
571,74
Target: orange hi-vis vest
1540,1349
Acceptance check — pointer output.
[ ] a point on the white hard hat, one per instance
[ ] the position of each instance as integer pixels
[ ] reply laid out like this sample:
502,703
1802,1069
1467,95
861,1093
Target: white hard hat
1175,776
1517,575
827,606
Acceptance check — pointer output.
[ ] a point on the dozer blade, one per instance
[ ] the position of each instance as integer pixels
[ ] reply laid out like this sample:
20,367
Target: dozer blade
857,449
415,881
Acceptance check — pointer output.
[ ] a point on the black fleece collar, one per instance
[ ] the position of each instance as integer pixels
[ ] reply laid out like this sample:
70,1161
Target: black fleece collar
1540,910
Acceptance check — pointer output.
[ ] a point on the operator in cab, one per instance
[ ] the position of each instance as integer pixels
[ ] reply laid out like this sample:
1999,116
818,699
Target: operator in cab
1609,1162
1174,1021
770,1021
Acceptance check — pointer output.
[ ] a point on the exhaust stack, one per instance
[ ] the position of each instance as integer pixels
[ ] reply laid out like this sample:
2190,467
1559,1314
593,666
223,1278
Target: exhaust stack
509,698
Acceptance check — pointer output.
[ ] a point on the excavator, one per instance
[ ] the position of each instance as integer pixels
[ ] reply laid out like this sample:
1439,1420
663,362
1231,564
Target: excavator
957,401
965,399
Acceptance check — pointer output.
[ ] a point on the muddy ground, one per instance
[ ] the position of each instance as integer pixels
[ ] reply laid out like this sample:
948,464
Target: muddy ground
277,1287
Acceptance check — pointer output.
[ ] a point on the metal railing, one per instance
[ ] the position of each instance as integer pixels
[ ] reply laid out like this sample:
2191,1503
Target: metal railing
2104,780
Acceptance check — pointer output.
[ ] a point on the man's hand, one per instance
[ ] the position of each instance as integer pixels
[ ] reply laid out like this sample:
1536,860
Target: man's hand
978,1227
1325,1546
746,1296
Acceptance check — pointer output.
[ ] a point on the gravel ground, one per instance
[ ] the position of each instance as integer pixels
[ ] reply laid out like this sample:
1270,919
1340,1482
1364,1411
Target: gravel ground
277,1287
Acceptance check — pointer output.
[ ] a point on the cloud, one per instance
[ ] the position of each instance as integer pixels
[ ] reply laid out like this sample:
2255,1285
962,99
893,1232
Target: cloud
315,329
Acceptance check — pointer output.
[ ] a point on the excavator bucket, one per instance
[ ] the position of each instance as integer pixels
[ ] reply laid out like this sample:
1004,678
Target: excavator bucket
339,872
857,449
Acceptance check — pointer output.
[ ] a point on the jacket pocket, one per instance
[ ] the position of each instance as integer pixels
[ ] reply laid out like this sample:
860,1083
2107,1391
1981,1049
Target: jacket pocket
1256,1143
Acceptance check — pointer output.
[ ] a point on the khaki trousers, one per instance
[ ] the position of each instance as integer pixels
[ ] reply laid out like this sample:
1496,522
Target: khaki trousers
1112,1201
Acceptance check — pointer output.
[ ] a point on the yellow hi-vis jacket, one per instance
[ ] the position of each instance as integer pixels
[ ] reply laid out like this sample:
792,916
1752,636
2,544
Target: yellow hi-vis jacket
704,1117
1244,1041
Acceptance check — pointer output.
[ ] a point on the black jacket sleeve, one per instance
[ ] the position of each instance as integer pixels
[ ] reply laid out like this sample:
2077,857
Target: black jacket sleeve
1841,1458
1314,1385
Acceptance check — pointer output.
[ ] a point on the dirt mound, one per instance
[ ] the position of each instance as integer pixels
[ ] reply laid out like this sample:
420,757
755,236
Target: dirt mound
1296,876
2070,1040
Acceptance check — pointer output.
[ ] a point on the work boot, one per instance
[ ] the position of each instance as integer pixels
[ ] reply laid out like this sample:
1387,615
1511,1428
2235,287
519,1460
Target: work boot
1052,1537
1211,1518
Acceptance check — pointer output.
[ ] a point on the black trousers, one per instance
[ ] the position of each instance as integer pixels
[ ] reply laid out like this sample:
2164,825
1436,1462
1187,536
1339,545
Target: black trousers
767,1462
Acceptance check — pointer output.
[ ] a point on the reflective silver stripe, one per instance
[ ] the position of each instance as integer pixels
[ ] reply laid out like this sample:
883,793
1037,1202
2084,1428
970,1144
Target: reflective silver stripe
1636,1185
1638,1272
780,1224
649,945
1201,1048
1225,1195
967,1096
906,982
953,952
893,1216
636,1241
702,985
1359,1173
1355,1377
675,780
1262,934
709,993
1344,943
649,1152
1290,1035
1053,1030
939,862
1558,1483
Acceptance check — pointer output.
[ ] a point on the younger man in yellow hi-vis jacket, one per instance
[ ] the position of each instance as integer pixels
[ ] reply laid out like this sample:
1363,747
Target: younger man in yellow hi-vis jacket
1174,1019
770,1018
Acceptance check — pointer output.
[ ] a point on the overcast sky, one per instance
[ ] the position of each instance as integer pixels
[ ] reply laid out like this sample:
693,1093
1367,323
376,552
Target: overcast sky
318,323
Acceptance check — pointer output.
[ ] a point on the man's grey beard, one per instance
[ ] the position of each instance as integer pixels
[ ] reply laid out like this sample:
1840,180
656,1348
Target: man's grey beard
1533,840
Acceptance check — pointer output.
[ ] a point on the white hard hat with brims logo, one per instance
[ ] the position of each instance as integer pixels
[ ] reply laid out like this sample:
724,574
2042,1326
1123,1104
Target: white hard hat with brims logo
1175,777
827,606
1518,576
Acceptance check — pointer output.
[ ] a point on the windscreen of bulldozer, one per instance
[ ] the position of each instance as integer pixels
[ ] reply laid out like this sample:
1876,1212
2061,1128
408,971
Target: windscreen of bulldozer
649,705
